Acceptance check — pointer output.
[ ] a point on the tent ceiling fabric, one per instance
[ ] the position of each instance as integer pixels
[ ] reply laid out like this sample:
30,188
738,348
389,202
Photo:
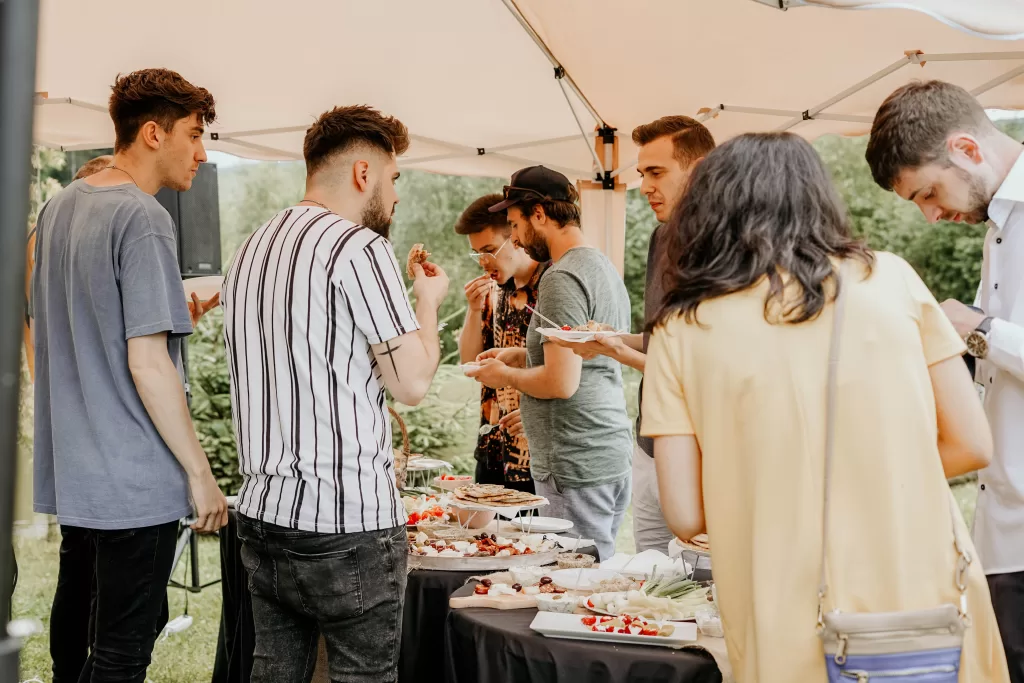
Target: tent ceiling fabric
463,74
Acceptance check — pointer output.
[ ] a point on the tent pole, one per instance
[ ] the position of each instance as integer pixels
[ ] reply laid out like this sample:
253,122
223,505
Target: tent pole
873,78
586,138
19,25
1009,75
511,6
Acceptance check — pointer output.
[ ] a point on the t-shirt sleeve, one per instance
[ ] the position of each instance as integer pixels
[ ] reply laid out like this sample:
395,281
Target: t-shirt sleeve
374,289
152,295
665,411
938,336
562,299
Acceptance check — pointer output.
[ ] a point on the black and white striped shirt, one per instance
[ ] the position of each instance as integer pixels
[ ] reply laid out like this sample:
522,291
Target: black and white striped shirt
306,296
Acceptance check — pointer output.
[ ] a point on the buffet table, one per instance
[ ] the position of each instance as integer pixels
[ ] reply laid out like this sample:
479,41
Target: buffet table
423,621
498,645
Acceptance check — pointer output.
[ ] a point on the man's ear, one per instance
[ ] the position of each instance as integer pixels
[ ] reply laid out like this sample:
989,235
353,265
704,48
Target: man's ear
538,214
965,146
361,175
151,135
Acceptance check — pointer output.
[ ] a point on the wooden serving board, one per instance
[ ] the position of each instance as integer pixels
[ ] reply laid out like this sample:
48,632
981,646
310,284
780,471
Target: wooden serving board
494,602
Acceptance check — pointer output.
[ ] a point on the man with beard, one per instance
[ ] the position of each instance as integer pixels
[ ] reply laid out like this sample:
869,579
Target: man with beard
574,411
933,144
669,149
498,317
317,325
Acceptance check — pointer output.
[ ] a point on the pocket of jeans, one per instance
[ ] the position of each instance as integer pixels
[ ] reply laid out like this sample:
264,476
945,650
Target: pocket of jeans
251,563
116,536
327,583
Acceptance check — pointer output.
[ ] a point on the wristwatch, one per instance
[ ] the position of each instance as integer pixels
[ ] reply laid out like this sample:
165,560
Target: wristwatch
977,340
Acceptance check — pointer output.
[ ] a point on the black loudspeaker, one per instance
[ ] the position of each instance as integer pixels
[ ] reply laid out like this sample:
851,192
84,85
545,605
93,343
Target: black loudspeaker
196,215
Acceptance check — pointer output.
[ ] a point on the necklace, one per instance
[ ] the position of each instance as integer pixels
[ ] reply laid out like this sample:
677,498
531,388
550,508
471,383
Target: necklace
313,201
125,172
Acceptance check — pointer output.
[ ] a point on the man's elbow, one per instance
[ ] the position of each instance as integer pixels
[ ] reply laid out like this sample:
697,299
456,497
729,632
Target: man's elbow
411,393
565,387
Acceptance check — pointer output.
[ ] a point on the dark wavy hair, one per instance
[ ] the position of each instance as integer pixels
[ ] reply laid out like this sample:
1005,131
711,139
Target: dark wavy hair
760,206
159,95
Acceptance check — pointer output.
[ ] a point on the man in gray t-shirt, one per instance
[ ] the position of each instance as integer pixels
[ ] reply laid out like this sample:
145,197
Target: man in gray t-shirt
108,272
116,456
573,411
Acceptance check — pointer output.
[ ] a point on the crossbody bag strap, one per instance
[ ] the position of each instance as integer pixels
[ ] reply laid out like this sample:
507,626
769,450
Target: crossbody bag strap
830,425
963,556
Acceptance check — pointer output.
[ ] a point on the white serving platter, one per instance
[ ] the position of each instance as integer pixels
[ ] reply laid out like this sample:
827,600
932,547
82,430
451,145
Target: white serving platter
569,626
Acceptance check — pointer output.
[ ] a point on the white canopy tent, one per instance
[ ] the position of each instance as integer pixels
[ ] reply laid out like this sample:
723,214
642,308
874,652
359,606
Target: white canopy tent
489,86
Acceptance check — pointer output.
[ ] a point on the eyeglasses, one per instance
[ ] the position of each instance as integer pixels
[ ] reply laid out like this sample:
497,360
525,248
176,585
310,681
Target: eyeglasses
479,257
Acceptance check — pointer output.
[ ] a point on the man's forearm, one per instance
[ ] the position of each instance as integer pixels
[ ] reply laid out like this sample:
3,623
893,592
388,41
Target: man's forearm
162,395
426,314
471,341
538,383
634,341
631,357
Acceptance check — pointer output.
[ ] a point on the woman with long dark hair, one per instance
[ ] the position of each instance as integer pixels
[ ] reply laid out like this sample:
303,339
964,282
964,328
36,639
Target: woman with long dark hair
735,396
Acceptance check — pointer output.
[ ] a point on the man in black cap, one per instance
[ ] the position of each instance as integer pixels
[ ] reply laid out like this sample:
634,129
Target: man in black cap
573,410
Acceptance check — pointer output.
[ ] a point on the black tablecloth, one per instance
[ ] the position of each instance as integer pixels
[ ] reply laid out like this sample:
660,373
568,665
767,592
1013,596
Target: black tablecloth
485,645
236,639
426,608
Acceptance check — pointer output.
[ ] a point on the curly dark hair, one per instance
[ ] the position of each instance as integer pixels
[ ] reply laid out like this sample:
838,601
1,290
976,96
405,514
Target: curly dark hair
478,217
911,127
158,95
760,206
339,129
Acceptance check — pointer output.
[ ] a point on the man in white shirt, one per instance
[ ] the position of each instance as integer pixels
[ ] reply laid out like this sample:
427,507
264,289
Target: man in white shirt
318,324
933,144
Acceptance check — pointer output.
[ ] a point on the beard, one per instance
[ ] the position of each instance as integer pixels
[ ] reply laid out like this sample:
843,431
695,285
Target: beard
977,198
375,217
535,246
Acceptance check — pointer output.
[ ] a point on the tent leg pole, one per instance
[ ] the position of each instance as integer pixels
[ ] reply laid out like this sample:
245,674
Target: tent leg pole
19,22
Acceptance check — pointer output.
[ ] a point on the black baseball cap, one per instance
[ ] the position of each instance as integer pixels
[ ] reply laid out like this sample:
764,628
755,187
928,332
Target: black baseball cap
535,182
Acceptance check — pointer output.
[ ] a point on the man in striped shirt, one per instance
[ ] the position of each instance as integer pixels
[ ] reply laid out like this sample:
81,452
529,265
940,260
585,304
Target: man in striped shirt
317,325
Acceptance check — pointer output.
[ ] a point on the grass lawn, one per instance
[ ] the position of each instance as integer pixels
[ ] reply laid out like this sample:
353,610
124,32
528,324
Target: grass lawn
181,658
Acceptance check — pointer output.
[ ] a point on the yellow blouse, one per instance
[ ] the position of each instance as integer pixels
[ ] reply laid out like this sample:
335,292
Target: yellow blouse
753,394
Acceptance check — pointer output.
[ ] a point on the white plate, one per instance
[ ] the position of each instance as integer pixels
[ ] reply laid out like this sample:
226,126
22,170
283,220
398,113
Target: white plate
205,287
423,464
584,603
581,579
555,625
541,525
466,367
574,335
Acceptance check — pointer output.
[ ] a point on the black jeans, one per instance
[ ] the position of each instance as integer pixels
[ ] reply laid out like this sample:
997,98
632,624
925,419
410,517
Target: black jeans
350,588
1007,592
111,598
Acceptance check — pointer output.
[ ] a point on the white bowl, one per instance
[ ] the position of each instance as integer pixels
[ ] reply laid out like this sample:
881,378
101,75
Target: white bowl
452,484
526,576
557,602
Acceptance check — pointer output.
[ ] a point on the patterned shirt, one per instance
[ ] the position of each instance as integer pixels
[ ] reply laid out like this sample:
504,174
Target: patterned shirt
505,320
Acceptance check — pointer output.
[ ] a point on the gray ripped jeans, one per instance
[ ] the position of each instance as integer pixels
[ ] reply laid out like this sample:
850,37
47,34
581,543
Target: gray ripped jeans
348,587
